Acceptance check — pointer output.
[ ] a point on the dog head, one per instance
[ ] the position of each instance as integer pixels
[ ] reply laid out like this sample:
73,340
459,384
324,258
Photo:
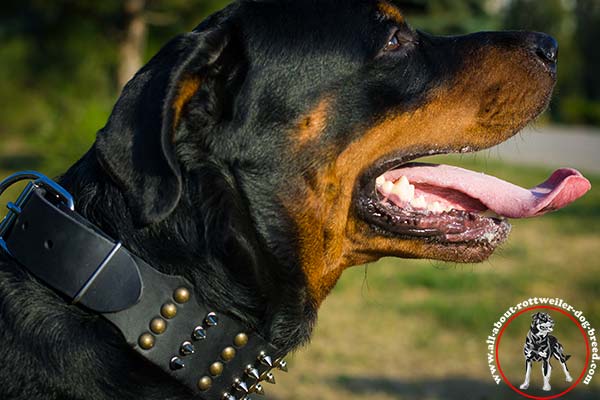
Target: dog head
542,324
256,141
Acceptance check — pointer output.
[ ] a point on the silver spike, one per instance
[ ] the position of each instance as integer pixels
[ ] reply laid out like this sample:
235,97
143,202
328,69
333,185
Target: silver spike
176,363
282,366
252,372
270,378
186,348
199,333
241,386
211,319
265,359
227,396
258,389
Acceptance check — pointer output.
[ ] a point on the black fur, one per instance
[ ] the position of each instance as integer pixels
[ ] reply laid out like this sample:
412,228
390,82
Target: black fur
200,198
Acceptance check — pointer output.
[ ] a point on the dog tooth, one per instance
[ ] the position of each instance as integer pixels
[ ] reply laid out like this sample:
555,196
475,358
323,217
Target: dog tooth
405,192
403,181
402,189
380,181
436,207
406,197
419,202
408,194
387,187
411,192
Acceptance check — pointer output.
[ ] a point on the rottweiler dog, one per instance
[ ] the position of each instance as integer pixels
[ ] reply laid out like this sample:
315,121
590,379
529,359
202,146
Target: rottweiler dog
268,150
540,346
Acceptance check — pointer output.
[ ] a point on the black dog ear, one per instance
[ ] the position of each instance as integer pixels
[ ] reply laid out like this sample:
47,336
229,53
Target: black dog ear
137,145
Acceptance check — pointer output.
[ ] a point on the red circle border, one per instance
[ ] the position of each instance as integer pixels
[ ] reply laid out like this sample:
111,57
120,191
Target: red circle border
587,357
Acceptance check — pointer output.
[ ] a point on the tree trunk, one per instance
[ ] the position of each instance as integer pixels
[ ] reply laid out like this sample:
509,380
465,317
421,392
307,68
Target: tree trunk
132,46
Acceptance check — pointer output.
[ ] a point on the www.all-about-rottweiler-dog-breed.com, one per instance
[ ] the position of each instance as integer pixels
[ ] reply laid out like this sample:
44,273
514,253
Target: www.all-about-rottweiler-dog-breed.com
242,170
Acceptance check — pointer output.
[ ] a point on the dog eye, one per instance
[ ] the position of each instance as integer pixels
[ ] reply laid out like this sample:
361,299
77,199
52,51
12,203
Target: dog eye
396,41
393,44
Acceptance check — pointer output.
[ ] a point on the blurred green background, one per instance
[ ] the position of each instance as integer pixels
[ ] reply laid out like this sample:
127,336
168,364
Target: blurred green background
63,62
396,329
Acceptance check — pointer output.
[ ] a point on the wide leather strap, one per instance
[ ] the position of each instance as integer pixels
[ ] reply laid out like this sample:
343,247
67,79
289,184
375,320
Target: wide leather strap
211,353
71,256
224,352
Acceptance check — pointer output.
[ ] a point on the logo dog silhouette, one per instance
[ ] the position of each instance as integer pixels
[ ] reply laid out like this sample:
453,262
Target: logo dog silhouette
541,346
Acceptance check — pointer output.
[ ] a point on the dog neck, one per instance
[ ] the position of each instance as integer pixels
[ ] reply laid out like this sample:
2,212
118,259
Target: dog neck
130,277
212,243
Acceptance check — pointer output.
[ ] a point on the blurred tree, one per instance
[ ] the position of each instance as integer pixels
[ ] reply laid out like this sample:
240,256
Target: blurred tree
133,44
587,34
54,55
64,61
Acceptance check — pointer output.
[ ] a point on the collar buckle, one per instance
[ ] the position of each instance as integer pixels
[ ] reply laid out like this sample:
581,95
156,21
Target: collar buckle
57,196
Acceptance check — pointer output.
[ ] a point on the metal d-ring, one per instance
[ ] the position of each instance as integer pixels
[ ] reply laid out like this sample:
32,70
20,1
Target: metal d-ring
37,181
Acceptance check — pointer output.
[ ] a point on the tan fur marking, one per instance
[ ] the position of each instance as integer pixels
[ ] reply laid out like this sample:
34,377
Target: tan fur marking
313,123
324,258
187,88
390,11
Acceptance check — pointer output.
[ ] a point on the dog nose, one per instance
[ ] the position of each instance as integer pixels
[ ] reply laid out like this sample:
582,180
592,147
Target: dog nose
546,48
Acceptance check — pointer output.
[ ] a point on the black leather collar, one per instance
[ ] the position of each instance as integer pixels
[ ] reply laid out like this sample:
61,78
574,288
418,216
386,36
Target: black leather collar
158,315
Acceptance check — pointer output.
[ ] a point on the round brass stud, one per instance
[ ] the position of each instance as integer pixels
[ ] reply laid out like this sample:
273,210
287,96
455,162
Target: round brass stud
146,341
240,340
158,325
204,383
181,295
168,310
228,353
216,368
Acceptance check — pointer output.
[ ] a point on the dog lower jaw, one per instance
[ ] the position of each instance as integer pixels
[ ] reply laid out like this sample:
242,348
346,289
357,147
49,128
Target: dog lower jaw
453,236
453,226
434,249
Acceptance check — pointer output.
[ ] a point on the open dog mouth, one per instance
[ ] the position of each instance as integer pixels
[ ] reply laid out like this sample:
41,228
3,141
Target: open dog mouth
450,205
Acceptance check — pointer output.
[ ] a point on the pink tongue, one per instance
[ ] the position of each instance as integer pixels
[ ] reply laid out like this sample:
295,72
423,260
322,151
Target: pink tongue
562,188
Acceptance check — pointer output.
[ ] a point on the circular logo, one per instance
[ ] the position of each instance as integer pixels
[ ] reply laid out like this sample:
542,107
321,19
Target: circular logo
542,351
